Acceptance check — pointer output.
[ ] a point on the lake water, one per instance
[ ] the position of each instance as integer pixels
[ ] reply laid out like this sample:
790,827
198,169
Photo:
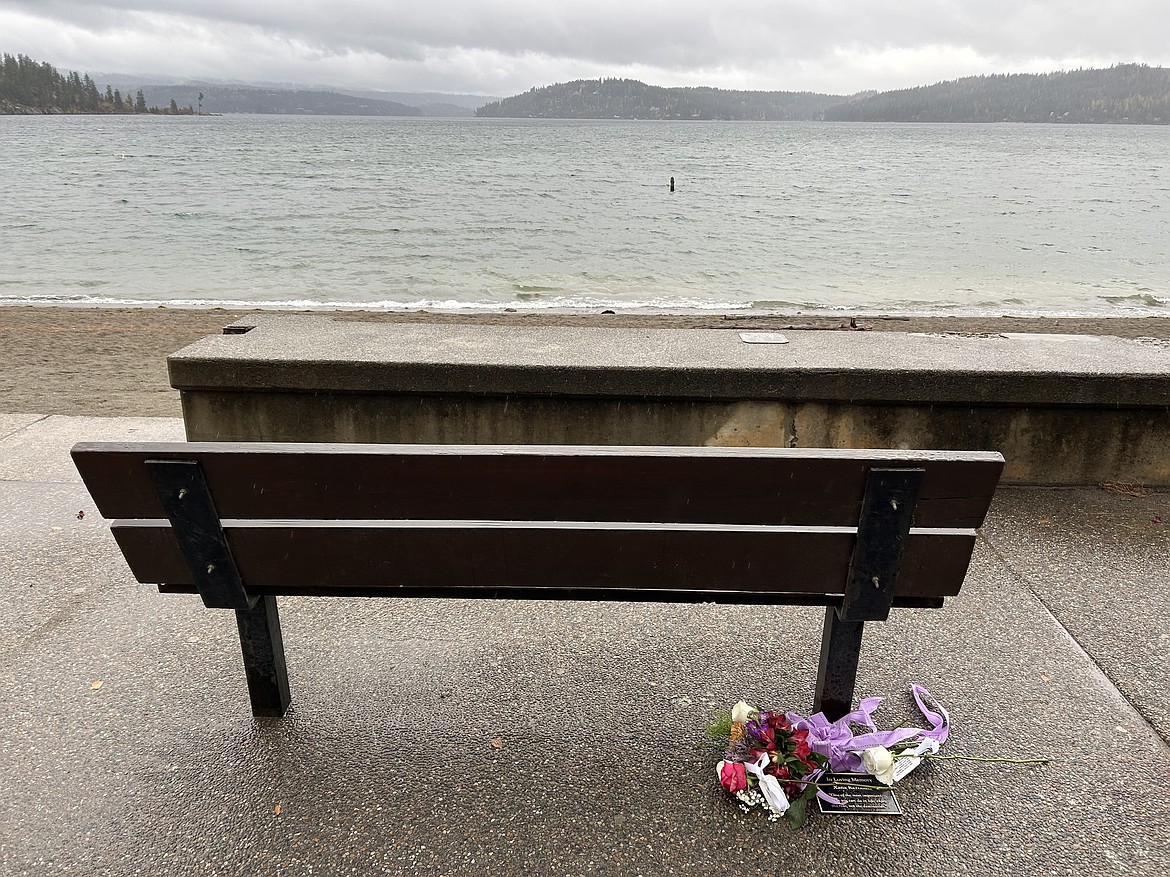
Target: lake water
438,213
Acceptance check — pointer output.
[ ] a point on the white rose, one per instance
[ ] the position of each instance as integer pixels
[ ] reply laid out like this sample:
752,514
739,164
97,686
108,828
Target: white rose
740,712
879,761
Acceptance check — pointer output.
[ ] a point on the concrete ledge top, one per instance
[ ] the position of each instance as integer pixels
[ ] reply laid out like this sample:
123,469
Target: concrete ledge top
316,353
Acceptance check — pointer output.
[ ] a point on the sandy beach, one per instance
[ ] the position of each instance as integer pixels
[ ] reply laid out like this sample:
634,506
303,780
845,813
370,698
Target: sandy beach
112,361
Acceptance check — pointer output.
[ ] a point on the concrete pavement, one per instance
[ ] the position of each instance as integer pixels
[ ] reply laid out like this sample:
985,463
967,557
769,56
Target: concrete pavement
1057,646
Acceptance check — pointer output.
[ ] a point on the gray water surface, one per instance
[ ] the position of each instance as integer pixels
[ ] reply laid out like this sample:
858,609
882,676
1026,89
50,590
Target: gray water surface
327,211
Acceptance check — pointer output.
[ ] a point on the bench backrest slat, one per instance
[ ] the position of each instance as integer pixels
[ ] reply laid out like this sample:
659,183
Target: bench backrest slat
299,556
568,483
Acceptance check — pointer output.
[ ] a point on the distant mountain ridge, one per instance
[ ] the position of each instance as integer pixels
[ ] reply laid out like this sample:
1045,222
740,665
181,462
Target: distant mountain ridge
432,103
1124,94
279,101
28,86
631,99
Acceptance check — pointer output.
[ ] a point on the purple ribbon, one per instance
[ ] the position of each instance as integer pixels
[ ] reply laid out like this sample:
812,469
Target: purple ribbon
837,742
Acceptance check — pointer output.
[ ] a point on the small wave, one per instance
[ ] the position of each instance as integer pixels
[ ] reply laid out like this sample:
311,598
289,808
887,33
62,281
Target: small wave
1139,299
778,304
535,289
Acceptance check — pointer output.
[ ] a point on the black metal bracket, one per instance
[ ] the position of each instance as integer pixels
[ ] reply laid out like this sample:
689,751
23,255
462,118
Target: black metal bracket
886,514
887,511
185,497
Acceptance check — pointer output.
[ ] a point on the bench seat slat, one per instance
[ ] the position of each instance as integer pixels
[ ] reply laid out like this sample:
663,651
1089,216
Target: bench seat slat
669,484
281,557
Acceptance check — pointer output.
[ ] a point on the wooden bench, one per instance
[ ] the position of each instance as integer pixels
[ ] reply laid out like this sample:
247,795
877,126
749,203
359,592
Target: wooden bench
243,523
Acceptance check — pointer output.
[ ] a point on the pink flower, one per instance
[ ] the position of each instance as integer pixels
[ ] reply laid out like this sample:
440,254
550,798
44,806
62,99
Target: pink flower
732,776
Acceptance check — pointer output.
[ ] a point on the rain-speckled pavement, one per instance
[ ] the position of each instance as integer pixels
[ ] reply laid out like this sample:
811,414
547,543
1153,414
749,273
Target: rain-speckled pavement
1057,646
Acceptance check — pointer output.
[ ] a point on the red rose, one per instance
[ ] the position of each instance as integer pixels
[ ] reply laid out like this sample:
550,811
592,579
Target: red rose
732,776
802,751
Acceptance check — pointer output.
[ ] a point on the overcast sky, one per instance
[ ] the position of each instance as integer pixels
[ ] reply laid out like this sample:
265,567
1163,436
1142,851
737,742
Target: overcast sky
501,47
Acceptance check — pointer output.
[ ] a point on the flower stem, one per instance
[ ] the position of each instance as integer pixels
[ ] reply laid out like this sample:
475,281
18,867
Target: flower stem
980,758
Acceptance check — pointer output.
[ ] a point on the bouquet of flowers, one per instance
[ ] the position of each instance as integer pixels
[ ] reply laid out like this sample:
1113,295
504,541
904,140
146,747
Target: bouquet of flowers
778,760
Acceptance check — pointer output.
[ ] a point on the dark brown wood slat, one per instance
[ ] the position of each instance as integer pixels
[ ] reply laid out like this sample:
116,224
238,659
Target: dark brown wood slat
335,557
670,484
599,595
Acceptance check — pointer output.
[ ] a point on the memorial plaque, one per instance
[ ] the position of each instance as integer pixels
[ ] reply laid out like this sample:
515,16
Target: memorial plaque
860,794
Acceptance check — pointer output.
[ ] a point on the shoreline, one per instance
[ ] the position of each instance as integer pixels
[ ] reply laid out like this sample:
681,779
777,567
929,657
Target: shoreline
1076,322
111,361
722,312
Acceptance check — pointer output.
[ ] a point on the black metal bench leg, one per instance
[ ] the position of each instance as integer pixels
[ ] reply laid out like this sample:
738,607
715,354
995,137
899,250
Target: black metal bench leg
837,675
263,649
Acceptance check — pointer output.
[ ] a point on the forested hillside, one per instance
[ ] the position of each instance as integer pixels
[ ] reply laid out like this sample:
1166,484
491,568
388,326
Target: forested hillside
1133,93
1126,93
631,99
30,87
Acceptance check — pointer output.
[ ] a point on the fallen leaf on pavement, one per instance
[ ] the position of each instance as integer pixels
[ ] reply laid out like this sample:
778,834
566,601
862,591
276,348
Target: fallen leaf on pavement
95,685
497,743
276,809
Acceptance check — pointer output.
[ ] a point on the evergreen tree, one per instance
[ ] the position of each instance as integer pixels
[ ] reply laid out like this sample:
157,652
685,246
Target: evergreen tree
140,102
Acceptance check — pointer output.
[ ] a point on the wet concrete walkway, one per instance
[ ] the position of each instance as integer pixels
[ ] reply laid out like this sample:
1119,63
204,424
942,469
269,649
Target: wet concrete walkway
1059,645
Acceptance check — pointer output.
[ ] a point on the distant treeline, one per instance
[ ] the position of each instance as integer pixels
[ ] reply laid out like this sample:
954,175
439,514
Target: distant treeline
1125,93
631,99
282,101
30,87
27,86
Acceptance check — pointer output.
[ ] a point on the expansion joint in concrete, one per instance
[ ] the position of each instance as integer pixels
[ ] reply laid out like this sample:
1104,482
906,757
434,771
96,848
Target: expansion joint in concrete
1100,671
25,427
57,619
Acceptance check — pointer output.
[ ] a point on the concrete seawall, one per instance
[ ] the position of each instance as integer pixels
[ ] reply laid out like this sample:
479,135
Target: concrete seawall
1063,409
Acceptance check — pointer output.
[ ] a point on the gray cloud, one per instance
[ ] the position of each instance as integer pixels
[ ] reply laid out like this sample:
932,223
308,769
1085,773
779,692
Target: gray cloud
506,46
